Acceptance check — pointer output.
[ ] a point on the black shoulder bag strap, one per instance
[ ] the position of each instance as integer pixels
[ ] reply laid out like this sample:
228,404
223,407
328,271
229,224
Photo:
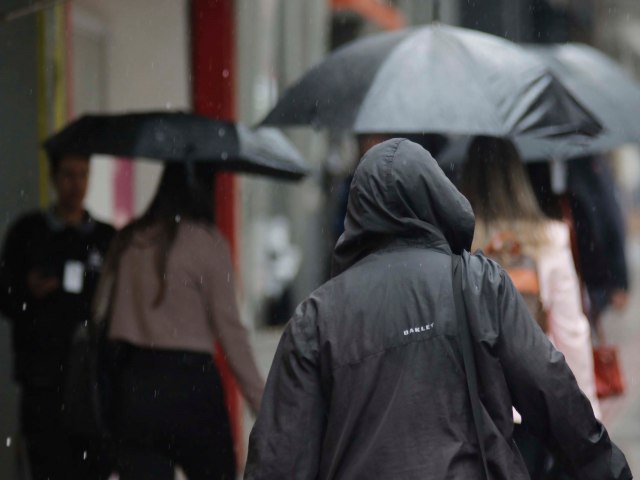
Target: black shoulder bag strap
468,357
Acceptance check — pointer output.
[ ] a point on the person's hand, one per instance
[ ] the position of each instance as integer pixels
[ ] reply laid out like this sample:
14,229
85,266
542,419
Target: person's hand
40,285
619,299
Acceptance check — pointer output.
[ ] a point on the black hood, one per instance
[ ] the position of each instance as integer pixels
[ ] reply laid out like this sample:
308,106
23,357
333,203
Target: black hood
398,190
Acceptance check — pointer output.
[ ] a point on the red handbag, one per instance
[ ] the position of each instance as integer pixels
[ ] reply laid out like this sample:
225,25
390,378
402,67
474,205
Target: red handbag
606,363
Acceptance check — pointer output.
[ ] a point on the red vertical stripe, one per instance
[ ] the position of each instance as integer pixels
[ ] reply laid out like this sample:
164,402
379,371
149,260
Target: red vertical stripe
123,191
213,77
213,66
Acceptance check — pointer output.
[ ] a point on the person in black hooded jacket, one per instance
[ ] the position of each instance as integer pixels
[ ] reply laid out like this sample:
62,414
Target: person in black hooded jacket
368,380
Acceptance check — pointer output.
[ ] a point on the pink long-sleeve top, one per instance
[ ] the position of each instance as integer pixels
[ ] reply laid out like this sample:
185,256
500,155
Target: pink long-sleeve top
199,305
569,329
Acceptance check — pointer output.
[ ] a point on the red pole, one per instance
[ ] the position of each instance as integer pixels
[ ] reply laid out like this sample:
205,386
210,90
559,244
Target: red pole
213,89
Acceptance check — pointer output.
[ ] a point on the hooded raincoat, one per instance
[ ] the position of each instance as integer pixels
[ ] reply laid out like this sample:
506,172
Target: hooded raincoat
368,380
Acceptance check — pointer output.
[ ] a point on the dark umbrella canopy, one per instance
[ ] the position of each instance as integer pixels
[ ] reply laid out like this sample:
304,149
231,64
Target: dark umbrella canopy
179,137
600,85
436,79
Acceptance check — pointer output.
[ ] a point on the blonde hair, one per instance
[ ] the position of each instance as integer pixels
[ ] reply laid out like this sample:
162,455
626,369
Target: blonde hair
498,188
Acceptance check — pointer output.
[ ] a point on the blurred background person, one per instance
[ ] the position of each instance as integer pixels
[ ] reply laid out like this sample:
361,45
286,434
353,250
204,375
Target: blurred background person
598,221
600,232
173,297
50,265
496,184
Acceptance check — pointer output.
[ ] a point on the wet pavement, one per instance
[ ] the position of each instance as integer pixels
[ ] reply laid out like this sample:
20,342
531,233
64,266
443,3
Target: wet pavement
622,414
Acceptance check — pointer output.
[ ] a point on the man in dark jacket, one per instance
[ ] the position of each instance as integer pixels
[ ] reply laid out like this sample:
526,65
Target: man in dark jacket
600,233
368,380
599,228
49,270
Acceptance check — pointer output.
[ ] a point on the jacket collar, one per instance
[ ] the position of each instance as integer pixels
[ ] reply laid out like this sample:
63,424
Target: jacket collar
57,225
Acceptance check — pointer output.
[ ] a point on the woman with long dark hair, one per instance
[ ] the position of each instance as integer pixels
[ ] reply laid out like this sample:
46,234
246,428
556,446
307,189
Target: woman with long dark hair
172,298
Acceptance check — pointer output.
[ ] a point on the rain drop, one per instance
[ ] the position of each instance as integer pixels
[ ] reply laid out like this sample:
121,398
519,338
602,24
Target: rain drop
225,73
224,155
24,307
8,442
221,132
178,218
84,455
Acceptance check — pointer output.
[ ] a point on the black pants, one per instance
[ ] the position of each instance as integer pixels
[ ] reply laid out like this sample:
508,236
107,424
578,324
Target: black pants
170,410
541,463
52,453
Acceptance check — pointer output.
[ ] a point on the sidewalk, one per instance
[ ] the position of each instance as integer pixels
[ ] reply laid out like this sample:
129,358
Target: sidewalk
622,414
264,341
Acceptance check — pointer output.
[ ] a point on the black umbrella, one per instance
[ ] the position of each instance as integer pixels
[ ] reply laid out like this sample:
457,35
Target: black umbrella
436,79
600,85
180,137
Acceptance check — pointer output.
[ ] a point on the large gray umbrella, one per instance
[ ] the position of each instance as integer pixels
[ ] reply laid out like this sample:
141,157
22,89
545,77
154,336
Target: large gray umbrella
182,137
600,85
435,79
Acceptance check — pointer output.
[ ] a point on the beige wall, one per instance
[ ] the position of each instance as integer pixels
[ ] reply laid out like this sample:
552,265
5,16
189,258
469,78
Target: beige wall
278,40
145,67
